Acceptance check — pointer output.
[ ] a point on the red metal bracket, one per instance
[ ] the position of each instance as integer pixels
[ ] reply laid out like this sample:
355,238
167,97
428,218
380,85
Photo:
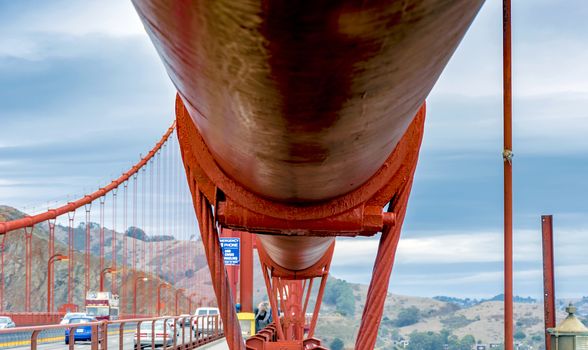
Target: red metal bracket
358,212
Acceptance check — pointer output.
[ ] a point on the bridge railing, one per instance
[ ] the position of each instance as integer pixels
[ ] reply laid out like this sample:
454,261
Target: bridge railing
179,333
34,318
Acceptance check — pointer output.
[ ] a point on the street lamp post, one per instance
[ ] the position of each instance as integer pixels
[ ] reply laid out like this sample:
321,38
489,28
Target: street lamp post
161,285
190,302
178,293
142,278
52,259
102,276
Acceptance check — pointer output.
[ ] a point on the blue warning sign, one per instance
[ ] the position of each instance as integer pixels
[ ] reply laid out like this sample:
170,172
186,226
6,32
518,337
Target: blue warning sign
231,248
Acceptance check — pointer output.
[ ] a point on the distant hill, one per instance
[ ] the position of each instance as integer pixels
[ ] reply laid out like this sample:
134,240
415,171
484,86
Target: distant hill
467,302
403,315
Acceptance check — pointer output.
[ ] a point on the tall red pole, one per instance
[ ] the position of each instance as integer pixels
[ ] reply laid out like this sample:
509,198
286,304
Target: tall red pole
50,261
2,271
70,269
122,298
103,273
246,287
143,278
177,294
102,199
548,276
28,231
88,208
507,155
159,287
113,284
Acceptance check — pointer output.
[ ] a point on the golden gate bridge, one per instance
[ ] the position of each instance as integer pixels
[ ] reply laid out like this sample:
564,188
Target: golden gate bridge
295,123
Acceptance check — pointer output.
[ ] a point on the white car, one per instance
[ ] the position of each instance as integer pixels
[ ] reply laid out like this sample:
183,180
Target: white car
203,324
6,322
68,316
147,337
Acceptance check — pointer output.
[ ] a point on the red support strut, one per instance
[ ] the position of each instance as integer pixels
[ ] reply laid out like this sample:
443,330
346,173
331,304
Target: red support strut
220,282
548,276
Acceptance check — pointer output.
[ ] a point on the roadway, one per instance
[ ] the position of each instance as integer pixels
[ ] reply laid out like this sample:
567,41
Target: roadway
56,340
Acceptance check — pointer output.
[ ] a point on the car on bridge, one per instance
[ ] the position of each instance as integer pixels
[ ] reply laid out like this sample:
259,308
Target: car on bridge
154,333
68,316
81,333
204,322
6,322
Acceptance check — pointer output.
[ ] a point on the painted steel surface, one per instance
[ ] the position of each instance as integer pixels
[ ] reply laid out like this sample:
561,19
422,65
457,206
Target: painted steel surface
548,276
304,100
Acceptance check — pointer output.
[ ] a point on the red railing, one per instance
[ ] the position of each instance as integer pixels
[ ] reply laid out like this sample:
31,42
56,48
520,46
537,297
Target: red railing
34,318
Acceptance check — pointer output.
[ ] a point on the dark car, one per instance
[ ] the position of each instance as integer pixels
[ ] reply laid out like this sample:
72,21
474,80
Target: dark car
82,333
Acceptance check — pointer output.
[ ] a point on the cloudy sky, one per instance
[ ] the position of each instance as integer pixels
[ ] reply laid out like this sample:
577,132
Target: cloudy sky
83,94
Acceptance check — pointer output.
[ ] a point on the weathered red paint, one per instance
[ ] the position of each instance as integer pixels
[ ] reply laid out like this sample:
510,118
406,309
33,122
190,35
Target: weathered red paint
34,318
216,265
548,276
507,155
246,275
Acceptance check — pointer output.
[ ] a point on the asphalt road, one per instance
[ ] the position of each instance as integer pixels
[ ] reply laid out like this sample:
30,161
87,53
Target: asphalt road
56,340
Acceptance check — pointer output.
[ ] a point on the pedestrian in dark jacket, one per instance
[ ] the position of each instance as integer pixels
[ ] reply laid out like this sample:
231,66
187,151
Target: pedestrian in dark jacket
262,316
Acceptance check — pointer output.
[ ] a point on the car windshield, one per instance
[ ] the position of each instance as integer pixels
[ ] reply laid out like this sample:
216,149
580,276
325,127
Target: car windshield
97,311
213,312
80,320
146,326
201,312
72,315
4,320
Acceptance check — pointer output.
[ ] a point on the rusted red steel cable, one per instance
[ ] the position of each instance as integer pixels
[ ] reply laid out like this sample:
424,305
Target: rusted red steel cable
71,206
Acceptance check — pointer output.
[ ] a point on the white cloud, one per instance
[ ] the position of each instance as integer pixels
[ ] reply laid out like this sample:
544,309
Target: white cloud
437,247
442,248
432,262
78,18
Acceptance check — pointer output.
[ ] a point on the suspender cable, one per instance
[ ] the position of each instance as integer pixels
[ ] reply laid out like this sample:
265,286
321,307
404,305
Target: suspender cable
123,294
113,275
101,267
158,214
164,207
71,256
151,230
3,238
174,203
134,230
88,208
143,182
